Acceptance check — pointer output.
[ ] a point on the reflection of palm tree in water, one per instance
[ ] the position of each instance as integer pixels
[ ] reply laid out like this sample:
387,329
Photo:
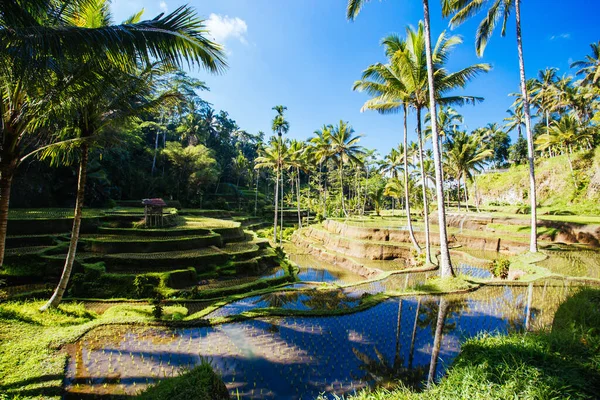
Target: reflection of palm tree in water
435,315
387,374
279,299
328,300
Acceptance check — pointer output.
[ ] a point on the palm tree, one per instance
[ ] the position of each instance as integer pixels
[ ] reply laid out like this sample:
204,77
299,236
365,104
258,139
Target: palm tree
466,153
272,158
590,67
279,126
297,162
117,98
515,120
353,9
412,62
321,144
40,38
463,10
384,83
566,132
344,148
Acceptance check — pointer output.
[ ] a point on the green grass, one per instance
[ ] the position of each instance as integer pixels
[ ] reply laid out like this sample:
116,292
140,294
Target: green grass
31,363
558,364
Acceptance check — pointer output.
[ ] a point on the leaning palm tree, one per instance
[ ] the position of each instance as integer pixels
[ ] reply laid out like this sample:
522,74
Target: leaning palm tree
297,162
345,148
496,10
353,9
116,99
40,38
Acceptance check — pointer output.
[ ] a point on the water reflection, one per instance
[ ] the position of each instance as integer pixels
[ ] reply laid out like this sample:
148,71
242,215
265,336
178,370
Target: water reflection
411,339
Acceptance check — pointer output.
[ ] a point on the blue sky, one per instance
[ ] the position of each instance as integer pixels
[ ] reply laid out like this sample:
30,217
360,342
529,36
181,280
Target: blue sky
306,56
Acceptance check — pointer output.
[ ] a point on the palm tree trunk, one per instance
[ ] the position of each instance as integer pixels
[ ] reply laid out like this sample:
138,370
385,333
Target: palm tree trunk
66,274
281,211
466,195
364,205
424,187
276,204
342,187
155,153
411,233
256,194
445,264
571,166
437,341
298,195
6,177
530,152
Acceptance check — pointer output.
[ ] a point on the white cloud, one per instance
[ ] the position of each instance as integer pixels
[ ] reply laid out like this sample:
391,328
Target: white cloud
223,28
163,6
561,36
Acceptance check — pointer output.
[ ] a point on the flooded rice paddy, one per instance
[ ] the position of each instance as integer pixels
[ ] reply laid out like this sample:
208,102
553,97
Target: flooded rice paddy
302,357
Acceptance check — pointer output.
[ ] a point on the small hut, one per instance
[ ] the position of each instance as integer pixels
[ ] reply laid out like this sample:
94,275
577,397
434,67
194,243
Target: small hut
153,212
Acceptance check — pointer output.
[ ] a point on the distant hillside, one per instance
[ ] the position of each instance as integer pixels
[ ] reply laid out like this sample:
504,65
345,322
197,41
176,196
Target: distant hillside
557,191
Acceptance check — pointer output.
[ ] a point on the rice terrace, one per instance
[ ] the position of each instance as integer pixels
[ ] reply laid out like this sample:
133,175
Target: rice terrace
299,200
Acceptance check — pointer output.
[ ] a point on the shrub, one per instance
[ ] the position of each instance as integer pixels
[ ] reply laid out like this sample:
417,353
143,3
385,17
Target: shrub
500,267
157,303
145,286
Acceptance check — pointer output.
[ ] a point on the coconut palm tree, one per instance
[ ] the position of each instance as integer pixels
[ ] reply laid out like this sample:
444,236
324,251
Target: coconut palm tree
467,154
40,38
116,99
384,83
589,68
321,144
354,7
344,148
565,133
297,162
279,126
412,62
462,10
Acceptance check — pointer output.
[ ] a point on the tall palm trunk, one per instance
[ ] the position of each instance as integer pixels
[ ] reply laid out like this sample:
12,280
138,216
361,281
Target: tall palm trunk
437,341
424,186
155,152
342,187
276,204
364,205
6,176
466,195
445,264
411,233
530,151
298,195
66,274
256,194
281,211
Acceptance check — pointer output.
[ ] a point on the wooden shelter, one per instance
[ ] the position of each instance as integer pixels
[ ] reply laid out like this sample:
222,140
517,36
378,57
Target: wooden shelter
154,212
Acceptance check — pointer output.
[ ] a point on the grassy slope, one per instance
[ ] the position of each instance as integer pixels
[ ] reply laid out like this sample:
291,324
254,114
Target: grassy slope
556,189
562,363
